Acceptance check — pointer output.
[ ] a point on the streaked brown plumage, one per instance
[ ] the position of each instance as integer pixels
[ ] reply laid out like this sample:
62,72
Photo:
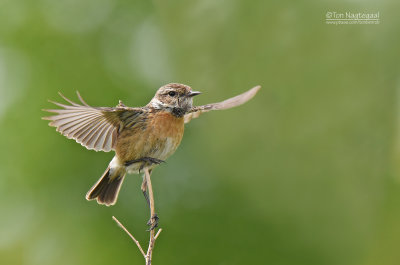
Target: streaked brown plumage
141,137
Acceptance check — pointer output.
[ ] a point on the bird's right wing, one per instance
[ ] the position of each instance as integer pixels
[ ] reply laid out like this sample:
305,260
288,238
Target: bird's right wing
93,127
226,104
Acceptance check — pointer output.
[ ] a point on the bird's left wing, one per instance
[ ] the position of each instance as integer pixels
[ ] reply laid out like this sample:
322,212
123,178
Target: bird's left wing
93,127
226,104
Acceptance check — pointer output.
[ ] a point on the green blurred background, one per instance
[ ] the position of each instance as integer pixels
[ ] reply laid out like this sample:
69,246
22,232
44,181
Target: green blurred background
305,173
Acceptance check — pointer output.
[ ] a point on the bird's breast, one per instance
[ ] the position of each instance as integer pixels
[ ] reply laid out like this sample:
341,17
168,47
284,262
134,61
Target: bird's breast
158,137
164,124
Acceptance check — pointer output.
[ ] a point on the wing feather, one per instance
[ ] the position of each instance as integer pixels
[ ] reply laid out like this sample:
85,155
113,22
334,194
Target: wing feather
82,131
92,133
93,127
226,104
107,135
100,137
76,124
81,134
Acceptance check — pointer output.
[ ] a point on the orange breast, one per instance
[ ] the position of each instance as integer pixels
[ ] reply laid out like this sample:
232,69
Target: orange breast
164,124
158,137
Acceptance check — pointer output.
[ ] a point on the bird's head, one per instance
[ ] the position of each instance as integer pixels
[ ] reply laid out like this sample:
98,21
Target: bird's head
174,97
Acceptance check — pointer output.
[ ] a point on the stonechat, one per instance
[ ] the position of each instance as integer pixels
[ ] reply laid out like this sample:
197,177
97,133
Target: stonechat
140,137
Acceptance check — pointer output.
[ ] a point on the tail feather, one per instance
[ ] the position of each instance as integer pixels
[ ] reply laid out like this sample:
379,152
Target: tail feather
107,187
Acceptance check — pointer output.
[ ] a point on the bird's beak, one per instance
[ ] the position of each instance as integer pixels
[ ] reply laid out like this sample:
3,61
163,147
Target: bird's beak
193,93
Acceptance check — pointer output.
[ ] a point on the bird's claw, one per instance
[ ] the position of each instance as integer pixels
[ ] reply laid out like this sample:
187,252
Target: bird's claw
153,222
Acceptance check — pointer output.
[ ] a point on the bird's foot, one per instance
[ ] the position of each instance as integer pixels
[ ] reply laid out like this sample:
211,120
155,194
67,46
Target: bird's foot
148,161
151,160
153,222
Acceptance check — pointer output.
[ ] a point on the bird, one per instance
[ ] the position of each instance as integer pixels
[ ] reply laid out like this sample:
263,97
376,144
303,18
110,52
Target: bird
141,137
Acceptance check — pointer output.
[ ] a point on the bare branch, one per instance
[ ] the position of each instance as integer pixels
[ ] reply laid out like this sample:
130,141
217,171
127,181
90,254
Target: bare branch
130,235
153,219
158,233
152,214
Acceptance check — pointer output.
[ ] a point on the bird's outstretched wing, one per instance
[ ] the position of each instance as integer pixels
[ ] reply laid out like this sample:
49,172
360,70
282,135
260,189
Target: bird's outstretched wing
93,127
226,104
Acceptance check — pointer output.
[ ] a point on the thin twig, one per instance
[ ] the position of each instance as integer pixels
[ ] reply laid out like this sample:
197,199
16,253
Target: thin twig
158,233
130,235
151,245
152,214
153,235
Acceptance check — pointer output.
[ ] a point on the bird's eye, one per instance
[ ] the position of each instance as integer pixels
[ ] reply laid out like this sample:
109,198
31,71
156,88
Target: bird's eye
172,93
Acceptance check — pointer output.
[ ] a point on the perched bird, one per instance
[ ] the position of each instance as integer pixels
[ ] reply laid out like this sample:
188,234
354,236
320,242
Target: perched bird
141,137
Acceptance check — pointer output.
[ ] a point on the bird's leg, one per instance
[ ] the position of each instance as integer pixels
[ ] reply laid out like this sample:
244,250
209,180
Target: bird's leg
147,161
152,160
130,162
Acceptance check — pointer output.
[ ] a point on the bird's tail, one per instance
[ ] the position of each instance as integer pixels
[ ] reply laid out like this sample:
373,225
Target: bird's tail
107,187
